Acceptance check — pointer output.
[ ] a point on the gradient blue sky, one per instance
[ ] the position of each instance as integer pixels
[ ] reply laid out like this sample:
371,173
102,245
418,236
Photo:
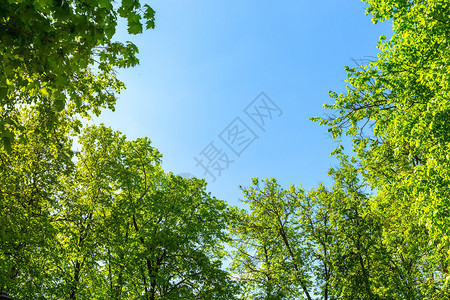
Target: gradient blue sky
207,60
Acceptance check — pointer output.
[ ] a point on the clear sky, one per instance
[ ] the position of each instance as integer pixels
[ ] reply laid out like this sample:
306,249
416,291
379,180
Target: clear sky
207,61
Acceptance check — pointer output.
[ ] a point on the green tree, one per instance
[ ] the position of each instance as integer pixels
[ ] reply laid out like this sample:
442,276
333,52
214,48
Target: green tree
326,243
270,256
396,109
29,185
116,226
59,56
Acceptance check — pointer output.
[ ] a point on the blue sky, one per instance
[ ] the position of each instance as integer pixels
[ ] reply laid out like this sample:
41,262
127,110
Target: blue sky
206,61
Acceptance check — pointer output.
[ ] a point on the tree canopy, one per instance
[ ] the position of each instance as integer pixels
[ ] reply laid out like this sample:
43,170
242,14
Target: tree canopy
107,222
396,110
60,57
382,230
113,225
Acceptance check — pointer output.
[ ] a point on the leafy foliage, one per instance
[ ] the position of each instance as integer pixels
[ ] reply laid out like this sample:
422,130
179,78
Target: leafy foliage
60,56
28,189
108,223
117,227
298,245
396,109
391,242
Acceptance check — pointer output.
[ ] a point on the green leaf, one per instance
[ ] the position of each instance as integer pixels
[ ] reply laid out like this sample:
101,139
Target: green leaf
134,23
59,105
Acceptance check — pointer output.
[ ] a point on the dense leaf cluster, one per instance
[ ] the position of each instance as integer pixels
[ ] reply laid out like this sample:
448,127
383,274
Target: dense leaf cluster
59,56
382,231
112,225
